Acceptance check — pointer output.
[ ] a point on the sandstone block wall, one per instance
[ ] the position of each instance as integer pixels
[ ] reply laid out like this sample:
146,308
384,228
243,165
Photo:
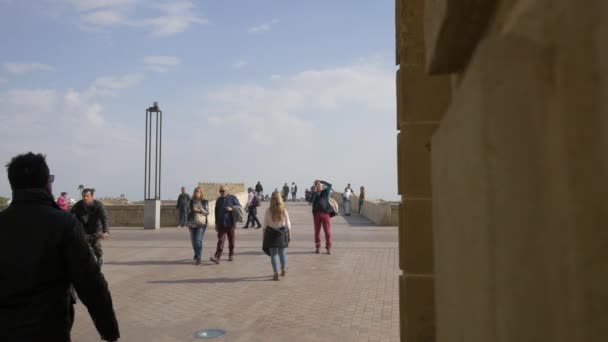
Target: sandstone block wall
211,190
517,167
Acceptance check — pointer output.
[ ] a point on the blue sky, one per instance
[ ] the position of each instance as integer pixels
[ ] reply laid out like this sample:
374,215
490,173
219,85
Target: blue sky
276,91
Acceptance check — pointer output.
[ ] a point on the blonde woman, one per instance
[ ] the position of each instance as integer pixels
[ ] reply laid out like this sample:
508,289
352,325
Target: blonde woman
197,222
277,233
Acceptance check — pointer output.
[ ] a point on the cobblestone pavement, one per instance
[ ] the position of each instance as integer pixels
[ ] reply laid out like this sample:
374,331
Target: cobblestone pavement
351,295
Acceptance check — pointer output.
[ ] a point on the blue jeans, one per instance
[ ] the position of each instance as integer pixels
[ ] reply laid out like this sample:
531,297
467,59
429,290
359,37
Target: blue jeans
181,214
276,254
196,236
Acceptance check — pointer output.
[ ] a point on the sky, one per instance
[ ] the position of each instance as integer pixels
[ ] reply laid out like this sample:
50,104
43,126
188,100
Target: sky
267,90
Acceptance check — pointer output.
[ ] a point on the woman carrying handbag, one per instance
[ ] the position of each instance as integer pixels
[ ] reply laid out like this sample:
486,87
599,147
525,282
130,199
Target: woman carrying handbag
197,222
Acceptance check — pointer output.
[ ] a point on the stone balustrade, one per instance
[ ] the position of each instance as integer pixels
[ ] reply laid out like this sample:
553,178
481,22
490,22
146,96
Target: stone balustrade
133,215
381,213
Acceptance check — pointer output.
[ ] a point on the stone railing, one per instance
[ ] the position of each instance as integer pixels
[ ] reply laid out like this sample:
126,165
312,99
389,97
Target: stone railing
381,213
133,215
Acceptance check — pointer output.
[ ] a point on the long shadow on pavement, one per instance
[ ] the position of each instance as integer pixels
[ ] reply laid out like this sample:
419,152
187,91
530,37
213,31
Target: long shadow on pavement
150,262
211,281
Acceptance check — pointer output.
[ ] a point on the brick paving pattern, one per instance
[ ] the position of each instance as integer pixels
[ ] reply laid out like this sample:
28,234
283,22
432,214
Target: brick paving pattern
351,295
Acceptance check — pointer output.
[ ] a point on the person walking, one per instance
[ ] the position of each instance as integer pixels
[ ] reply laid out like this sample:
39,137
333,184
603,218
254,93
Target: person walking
183,204
277,234
320,210
253,202
197,222
259,190
42,251
346,203
225,224
285,192
92,214
361,198
294,191
62,201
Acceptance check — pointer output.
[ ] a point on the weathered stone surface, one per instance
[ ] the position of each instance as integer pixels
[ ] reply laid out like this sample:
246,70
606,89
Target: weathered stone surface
414,160
409,32
421,97
452,30
418,237
519,181
418,305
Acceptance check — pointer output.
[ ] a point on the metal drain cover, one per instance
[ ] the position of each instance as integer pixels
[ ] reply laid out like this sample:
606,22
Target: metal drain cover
208,334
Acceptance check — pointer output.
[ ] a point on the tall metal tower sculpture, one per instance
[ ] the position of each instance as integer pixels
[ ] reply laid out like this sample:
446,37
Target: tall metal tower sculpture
153,157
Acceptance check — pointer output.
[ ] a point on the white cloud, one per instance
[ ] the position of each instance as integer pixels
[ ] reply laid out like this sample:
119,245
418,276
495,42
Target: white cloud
21,68
104,18
161,63
239,64
174,16
88,5
80,140
282,105
262,28
110,85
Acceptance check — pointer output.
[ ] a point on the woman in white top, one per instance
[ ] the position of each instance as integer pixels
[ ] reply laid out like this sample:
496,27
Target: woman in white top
277,232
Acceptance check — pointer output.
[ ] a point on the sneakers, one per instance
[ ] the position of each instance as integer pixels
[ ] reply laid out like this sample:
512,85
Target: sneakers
197,261
283,272
230,258
215,260
258,227
276,277
317,251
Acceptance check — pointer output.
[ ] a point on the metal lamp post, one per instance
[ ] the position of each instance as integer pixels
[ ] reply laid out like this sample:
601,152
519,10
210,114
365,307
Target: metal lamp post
153,157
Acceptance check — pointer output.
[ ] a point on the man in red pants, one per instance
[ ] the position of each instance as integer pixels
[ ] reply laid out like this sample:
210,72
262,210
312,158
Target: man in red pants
225,224
321,210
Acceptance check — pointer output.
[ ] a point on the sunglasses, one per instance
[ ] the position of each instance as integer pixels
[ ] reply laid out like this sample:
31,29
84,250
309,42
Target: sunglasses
222,191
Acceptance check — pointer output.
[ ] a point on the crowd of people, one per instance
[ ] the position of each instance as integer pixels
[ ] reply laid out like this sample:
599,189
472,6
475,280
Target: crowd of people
44,270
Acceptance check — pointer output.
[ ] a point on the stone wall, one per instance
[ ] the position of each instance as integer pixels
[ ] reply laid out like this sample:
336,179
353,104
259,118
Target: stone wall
211,190
381,213
514,122
133,215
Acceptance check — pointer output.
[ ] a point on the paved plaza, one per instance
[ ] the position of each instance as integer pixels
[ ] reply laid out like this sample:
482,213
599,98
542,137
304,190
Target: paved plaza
351,295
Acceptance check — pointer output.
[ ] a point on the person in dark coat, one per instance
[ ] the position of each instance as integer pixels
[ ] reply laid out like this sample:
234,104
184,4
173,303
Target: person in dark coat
42,251
259,190
285,192
225,225
183,204
92,214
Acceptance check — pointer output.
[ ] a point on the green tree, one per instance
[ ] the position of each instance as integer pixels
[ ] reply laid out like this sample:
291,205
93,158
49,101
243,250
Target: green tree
3,200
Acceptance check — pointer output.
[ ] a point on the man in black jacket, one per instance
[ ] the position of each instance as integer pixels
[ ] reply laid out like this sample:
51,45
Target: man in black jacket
225,224
183,204
259,189
42,251
92,215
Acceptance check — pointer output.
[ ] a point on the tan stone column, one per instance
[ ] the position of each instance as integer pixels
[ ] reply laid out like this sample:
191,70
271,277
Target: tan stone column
421,102
520,174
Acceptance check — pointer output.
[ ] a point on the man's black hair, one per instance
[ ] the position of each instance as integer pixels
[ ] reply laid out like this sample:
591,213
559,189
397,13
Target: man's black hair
64,193
91,190
28,171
